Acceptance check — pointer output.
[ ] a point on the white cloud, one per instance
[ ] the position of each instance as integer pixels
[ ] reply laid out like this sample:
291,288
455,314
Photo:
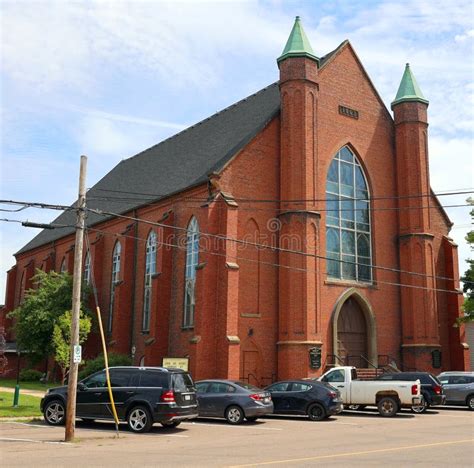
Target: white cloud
128,118
462,37
66,43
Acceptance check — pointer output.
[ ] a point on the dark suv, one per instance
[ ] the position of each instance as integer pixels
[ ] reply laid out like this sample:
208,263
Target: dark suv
142,395
431,388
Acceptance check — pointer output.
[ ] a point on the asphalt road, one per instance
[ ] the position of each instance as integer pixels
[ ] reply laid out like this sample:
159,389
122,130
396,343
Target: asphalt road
440,437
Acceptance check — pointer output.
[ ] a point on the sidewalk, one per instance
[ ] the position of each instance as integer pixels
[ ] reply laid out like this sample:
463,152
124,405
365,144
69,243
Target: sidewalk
36,393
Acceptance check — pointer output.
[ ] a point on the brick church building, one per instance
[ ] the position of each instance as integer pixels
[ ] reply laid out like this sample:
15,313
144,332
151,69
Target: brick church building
294,230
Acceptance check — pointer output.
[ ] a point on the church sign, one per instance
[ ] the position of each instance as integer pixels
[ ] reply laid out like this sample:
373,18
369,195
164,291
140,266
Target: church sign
178,362
315,358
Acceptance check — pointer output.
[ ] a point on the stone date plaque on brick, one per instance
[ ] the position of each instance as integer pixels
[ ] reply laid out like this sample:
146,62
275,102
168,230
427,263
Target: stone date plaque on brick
347,111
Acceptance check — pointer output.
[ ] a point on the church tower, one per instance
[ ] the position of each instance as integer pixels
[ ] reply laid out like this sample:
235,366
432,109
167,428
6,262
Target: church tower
420,322
298,336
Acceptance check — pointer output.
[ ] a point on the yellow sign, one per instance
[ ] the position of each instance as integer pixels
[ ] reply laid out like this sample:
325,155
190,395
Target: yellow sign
180,363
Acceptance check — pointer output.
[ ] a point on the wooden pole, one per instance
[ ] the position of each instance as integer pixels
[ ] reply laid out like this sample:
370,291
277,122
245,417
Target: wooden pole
76,304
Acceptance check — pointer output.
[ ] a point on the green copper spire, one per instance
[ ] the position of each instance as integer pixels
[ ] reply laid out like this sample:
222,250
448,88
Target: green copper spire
409,89
298,44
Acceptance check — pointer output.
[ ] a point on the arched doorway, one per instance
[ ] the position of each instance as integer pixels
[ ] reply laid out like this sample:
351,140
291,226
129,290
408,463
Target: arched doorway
352,333
354,330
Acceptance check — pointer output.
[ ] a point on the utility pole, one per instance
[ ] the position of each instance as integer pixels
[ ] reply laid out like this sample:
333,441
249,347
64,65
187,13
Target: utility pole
76,304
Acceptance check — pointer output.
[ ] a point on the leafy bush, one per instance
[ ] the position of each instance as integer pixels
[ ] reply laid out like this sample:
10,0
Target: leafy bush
30,375
98,363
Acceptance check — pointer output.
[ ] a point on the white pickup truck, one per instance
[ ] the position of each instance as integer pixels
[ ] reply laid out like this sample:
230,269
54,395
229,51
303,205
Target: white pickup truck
388,396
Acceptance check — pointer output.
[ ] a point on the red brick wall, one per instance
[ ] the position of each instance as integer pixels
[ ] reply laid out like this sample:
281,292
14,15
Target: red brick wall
243,297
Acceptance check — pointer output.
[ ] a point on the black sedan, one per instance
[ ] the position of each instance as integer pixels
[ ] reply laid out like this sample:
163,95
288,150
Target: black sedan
318,400
232,400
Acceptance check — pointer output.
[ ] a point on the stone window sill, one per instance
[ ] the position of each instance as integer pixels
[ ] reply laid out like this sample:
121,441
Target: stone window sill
343,282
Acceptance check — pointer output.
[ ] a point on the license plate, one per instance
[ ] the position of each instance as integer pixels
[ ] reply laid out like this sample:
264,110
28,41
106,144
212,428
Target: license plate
187,397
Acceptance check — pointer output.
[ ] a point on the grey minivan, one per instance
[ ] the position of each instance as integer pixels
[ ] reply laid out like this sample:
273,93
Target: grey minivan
232,400
458,387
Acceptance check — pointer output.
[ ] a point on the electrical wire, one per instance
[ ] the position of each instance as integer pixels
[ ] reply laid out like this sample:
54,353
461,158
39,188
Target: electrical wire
52,225
37,205
276,265
257,200
263,246
344,200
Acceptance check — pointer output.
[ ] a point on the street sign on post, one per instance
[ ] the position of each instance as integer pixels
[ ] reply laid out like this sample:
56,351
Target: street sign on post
77,354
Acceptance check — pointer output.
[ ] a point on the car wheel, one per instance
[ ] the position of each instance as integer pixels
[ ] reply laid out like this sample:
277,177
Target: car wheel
171,424
251,419
55,413
139,419
387,407
421,408
234,414
316,412
470,402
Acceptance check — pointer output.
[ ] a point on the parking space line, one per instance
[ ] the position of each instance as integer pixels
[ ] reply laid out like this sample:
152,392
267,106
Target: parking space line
235,427
351,454
13,439
103,430
42,426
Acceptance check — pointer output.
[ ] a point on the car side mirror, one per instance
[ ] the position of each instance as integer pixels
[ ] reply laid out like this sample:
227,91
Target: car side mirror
81,386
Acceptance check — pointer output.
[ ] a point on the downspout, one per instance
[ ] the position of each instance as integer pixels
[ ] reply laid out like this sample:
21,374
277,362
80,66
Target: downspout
134,281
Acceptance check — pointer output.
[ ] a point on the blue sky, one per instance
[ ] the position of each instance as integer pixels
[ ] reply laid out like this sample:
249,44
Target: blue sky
109,79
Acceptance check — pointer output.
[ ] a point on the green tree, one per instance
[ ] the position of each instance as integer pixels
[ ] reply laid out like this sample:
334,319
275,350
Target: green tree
40,310
468,278
62,339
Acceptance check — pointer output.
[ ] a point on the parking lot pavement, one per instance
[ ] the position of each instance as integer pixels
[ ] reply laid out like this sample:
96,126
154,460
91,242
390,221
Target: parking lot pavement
437,438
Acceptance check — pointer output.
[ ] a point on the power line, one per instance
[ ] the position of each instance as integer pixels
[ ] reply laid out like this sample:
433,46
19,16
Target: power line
466,191
240,241
276,265
263,246
343,200
37,205
36,225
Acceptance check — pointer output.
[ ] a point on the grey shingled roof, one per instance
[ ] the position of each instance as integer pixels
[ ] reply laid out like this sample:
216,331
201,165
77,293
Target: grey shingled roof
177,163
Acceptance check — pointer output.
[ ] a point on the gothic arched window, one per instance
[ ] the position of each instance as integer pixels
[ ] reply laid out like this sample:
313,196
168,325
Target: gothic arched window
87,268
113,282
348,240
150,270
63,267
192,260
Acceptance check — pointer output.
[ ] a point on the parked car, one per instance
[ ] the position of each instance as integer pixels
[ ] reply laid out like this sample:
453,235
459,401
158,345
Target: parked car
431,388
232,400
142,396
389,397
318,400
458,387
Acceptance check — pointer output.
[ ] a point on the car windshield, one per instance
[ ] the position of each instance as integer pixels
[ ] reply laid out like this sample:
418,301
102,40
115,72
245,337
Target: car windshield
182,382
247,386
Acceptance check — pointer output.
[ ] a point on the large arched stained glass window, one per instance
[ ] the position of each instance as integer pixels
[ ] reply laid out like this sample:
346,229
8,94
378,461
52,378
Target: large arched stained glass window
150,270
348,242
192,260
113,282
